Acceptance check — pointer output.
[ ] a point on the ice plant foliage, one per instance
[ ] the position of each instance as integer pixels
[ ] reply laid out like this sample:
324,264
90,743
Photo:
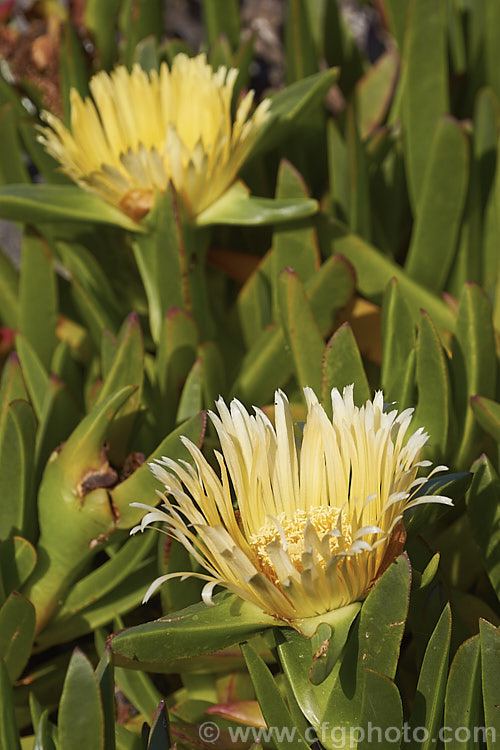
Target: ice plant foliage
142,131
315,512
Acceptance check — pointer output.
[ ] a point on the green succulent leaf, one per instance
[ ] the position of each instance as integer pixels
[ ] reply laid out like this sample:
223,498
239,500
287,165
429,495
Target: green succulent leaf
164,644
238,207
429,700
106,679
463,691
17,449
483,512
135,684
425,97
17,632
270,699
9,283
159,734
300,49
9,735
12,168
490,663
439,208
434,390
375,271
17,562
473,364
40,204
381,708
43,736
81,718
487,413
398,340
342,365
302,333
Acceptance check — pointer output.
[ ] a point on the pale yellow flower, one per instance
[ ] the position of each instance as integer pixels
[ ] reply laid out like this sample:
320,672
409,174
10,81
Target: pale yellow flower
315,512
143,131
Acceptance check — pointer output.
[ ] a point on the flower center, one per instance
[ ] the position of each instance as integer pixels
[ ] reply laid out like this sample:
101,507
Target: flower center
323,519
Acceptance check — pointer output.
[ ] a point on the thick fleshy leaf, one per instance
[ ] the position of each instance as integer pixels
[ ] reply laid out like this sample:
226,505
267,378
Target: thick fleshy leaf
296,246
398,337
473,366
9,283
359,198
106,679
105,578
73,73
342,365
375,271
490,665
289,105
487,413
425,96
463,691
100,20
38,204
17,631
222,17
91,289
80,718
12,167
439,208
177,348
270,699
328,644
302,333
338,173
381,710
35,374
429,700
300,49
434,392
17,449
135,684
159,735
163,645
484,516
374,92
341,47
238,207
58,418
191,398
9,735
268,363
17,562
70,529
171,260
120,600
254,302
126,369
373,642
43,736
138,21
12,387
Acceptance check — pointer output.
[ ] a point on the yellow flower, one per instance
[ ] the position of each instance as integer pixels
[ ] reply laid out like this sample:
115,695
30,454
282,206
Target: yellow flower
142,132
315,513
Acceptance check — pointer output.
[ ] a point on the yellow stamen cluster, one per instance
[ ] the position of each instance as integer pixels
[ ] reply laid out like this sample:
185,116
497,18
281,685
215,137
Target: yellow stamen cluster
142,131
291,532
